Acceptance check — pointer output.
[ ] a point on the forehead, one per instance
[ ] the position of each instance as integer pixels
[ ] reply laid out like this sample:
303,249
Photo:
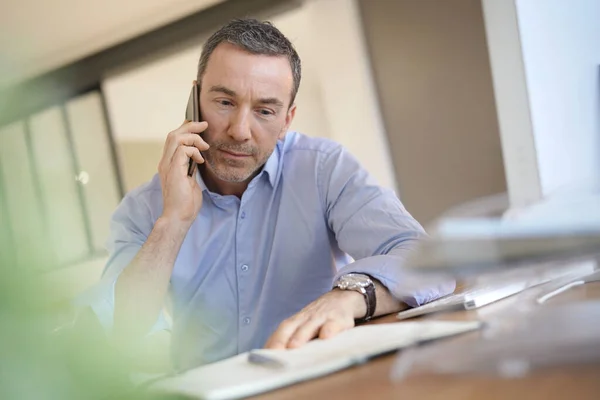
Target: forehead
247,73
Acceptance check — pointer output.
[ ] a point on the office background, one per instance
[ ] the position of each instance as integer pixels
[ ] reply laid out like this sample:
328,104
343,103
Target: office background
443,101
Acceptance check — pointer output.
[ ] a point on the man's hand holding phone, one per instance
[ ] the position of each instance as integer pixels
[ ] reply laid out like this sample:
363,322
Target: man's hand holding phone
182,197
142,287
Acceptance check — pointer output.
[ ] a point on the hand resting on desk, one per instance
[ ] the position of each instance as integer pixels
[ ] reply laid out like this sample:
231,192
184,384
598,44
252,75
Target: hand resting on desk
330,314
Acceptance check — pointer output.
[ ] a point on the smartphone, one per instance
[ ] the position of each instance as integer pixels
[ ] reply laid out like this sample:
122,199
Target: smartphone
192,113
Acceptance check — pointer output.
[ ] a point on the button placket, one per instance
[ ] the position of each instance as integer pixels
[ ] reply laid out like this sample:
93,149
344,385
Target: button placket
244,259
243,268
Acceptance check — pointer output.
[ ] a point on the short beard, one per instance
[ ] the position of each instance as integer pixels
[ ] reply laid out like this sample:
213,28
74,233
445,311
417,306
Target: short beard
233,174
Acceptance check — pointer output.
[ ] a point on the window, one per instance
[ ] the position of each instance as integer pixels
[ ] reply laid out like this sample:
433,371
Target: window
59,184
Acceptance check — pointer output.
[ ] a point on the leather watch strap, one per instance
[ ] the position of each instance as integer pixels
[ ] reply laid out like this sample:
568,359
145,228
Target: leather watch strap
371,301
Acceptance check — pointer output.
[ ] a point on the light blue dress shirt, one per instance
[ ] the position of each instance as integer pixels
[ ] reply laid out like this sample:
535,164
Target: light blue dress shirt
247,264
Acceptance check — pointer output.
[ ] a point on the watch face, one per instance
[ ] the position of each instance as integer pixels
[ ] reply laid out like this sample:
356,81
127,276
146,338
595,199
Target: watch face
354,281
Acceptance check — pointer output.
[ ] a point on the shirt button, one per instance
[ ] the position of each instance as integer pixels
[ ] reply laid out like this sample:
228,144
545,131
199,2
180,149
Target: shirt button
247,321
245,268
243,215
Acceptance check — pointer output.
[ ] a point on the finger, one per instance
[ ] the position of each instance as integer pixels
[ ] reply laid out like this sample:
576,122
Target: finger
281,336
187,140
331,328
305,332
189,127
194,126
167,148
183,154
185,132
193,139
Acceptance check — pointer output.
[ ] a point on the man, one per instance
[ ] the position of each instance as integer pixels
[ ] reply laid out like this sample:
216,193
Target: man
248,250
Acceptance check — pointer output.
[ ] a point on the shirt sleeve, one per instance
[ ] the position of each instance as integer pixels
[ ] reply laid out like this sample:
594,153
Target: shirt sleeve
130,226
373,227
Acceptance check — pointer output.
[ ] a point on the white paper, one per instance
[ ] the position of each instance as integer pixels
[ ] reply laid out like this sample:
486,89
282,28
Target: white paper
236,377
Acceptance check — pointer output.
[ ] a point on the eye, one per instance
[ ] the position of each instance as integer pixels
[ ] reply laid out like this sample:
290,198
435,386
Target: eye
265,112
225,103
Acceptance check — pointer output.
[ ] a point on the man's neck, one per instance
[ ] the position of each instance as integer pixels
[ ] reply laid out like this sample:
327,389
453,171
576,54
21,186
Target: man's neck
222,187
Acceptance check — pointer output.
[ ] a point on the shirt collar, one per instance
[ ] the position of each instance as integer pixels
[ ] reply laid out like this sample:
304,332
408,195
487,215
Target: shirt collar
272,165
200,180
270,168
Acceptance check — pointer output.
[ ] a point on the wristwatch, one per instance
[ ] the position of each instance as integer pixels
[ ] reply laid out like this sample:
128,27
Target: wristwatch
363,284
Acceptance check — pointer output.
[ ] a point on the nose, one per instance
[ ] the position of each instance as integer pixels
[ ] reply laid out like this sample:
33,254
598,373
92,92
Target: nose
239,127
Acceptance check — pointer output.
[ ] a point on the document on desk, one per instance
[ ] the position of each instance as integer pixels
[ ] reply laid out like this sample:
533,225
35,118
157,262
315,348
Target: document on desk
263,370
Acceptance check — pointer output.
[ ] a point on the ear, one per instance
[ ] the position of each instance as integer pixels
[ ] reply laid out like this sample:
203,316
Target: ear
291,113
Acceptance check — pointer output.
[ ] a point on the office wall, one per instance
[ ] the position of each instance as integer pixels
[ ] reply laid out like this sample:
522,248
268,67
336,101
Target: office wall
337,97
433,78
339,53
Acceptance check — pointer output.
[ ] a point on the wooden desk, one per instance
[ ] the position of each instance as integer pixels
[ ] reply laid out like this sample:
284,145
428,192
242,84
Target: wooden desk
372,380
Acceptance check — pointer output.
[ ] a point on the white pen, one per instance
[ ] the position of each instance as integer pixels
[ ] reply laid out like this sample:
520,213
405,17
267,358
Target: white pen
561,289
593,277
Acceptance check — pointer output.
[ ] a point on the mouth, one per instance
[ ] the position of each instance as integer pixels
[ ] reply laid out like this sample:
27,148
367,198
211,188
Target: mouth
234,154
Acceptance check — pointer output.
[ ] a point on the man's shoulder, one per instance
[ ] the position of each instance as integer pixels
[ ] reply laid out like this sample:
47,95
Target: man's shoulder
298,143
149,192
141,205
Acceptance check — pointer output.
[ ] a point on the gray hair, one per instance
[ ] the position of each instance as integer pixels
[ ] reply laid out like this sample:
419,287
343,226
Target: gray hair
255,37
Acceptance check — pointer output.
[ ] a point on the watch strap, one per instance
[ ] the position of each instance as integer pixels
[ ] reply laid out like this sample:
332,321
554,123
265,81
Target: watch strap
371,301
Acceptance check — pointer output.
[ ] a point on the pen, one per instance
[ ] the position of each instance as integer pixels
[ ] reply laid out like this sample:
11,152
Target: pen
593,277
261,359
561,289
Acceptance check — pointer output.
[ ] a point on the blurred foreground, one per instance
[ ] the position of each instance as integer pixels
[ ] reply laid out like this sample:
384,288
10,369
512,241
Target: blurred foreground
46,352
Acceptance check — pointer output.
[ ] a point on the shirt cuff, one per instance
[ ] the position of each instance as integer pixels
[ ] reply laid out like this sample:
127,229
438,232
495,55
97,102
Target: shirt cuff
408,286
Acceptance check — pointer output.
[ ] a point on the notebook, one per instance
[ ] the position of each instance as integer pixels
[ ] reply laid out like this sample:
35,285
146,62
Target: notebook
263,370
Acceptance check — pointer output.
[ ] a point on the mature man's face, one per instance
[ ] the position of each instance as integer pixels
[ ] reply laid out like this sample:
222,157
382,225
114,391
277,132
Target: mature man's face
245,99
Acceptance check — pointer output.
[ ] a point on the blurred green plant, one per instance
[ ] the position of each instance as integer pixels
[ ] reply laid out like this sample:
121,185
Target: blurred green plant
41,359
48,349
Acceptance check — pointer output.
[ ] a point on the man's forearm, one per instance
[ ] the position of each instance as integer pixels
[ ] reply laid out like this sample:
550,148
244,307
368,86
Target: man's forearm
141,288
386,303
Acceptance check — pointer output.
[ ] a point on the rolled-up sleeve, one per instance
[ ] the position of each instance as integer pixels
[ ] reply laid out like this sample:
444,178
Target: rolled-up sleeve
130,227
373,227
